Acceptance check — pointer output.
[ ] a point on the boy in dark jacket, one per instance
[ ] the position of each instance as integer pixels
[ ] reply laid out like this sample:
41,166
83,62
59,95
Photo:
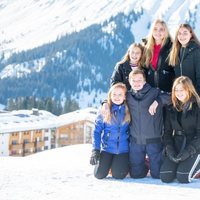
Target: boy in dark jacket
145,105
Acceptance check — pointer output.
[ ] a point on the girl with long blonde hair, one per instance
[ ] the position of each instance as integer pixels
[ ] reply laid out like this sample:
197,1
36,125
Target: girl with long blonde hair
158,72
111,136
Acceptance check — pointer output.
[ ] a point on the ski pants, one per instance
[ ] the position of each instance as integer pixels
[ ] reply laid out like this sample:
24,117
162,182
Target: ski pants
138,164
183,171
118,163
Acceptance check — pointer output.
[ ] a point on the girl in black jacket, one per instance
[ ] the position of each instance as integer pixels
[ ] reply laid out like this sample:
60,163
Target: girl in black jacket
182,134
132,60
185,55
158,71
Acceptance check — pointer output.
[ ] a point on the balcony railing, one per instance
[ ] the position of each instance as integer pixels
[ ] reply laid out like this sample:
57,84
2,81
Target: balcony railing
39,144
63,141
29,145
15,147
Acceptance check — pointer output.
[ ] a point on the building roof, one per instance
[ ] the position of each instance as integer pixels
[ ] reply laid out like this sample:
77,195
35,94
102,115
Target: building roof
89,114
24,120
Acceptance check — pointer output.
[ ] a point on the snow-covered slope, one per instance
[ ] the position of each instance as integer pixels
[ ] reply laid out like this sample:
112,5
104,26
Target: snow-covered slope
29,23
65,173
26,24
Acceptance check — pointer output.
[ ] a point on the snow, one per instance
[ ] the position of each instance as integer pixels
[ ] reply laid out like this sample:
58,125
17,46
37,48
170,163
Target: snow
65,173
2,107
29,23
20,120
26,24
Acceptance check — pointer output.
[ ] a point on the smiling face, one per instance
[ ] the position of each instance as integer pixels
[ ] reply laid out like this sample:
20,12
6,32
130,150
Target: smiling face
159,33
135,55
180,92
184,36
118,95
137,82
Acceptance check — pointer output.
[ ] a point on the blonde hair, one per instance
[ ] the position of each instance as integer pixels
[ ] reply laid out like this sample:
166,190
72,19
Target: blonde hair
190,90
149,47
127,117
173,56
127,57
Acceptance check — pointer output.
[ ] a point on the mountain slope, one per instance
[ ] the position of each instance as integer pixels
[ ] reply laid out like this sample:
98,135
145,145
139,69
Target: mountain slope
68,49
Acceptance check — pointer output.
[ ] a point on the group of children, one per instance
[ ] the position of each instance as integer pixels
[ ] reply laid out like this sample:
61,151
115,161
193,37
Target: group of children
155,82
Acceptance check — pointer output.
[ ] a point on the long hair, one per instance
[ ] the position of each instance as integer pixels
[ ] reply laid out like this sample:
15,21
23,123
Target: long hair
127,57
191,96
108,117
149,47
173,56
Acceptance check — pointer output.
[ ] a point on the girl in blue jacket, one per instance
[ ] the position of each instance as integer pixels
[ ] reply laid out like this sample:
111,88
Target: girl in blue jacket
111,137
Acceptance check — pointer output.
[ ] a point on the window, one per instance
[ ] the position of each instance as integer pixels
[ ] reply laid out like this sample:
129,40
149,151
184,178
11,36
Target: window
38,149
14,142
46,138
26,151
26,141
13,152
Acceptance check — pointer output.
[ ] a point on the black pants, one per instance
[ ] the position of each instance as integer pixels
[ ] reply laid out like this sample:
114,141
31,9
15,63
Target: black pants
118,163
183,171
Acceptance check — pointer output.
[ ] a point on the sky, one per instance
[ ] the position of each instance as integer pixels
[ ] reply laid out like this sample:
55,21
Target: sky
65,173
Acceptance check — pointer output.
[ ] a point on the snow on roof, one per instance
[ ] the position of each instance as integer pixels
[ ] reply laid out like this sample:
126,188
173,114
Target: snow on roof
23,120
89,114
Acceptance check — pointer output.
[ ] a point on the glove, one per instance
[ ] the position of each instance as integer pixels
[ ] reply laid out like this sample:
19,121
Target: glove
95,157
186,153
171,154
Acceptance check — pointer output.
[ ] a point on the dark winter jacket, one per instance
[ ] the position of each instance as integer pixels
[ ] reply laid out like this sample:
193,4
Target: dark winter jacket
189,64
183,132
112,138
163,76
121,73
144,127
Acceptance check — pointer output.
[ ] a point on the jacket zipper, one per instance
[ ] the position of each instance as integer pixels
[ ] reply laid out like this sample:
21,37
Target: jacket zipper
181,66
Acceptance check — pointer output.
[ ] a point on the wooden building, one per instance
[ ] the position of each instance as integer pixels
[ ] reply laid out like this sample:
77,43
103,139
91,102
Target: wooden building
76,127
25,132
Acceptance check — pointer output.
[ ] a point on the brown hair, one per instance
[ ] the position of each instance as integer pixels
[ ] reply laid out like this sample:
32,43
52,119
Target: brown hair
173,56
190,90
137,71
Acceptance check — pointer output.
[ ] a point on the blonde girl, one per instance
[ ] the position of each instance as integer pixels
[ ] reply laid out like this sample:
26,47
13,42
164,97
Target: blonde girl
110,137
158,72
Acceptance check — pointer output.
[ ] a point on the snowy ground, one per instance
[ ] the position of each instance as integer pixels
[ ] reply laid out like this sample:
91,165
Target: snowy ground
65,174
